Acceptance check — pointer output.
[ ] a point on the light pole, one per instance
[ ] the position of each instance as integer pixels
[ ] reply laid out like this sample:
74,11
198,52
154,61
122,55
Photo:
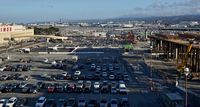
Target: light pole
151,48
187,71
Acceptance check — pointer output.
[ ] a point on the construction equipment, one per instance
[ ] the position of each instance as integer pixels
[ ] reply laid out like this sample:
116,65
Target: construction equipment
131,37
182,66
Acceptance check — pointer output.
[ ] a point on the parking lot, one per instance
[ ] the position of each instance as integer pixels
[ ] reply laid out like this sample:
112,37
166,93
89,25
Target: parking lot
99,76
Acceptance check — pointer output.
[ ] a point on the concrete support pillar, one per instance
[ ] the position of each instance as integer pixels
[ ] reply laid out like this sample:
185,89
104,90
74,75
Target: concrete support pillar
167,50
197,60
161,45
193,61
146,34
176,54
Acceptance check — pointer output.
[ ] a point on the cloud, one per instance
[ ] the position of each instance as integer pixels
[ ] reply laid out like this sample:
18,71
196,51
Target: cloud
166,8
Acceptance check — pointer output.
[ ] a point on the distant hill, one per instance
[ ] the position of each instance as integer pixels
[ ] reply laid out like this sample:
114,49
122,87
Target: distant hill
166,19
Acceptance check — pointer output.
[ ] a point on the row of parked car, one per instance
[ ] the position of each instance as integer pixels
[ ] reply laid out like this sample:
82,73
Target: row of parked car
15,76
104,67
16,68
13,102
88,86
19,87
81,102
78,87
78,75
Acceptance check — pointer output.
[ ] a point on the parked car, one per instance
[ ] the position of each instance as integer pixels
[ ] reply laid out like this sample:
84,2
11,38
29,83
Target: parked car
98,68
93,67
77,73
40,102
81,102
21,102
114,103
122,88
71,102
64,74
68,77
79,86
8,88
105,87
11,102
61,103
60,88
111,77
26,90
93,103
3,102
113,88
104,74
104,67
51,89
3,77
117,66
96,87
90,77
71,87
2,68
103,103
50,103
34,89
110,67
40,84
124,102
45,60
87,86
126,78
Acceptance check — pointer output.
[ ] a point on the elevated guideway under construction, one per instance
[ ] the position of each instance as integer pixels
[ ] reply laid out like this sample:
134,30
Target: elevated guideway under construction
174,47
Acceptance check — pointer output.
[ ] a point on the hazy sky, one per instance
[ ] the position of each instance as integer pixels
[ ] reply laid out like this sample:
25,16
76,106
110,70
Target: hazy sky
46,10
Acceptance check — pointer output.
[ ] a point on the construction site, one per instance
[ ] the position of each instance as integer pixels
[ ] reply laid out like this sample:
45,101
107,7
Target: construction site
184,49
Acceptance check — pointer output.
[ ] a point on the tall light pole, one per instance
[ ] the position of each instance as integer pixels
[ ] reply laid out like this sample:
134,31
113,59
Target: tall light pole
151,48
187,71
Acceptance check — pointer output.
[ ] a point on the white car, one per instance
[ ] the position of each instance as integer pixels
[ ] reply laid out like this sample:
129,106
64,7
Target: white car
53,63
122,88
96,85
11,102
3,102
45,60
2,68
111,77
40,102
77,73
80,84
64,74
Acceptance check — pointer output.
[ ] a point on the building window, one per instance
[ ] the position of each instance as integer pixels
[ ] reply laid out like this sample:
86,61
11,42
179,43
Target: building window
7,29
4,29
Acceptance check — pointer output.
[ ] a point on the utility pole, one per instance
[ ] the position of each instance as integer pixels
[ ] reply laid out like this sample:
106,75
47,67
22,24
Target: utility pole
187,71
151,48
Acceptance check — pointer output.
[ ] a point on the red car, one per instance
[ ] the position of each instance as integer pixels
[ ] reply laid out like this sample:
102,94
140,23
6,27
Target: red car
51,89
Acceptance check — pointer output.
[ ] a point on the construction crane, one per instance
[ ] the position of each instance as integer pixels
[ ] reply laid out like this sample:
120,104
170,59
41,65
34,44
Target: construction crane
182,66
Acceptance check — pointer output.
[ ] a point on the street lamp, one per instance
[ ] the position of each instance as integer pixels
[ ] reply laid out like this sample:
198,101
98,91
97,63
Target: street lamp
186,72
151,48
